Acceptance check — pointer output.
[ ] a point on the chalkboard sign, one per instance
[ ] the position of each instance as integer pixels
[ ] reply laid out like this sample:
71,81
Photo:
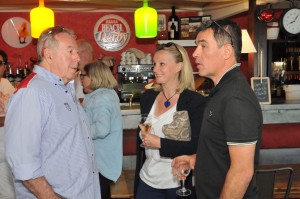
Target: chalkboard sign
261,88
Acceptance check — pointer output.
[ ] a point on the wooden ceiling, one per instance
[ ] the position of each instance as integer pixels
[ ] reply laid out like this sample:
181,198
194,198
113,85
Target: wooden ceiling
128,5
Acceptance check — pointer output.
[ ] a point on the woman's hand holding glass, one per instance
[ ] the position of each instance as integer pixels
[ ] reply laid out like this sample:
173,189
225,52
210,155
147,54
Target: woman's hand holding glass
145,126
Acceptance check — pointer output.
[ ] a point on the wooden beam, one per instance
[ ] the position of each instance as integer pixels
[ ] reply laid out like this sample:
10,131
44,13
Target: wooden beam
251,25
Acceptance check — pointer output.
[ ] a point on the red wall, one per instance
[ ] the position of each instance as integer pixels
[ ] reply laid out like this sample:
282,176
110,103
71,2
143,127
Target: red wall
242,20
83,24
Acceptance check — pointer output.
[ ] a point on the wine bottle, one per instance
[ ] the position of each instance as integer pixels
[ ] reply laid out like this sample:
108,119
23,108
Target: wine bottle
173,19
5,75
20,68
10,76
19,77
172,31
27,71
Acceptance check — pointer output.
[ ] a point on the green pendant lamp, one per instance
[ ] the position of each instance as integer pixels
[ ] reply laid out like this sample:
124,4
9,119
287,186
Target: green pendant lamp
41,18
145,21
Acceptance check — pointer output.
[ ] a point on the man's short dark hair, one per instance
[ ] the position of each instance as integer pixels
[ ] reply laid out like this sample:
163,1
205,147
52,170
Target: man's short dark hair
225,30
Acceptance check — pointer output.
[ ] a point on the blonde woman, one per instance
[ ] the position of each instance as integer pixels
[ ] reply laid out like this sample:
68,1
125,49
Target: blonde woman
174,92
101,104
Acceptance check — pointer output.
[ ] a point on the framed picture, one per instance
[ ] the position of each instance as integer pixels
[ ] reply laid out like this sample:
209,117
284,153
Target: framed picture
189,26
16,32
162,32
161,22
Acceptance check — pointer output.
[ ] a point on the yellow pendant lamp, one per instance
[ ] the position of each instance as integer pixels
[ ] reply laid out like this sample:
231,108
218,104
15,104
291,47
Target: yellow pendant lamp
145,21
41,18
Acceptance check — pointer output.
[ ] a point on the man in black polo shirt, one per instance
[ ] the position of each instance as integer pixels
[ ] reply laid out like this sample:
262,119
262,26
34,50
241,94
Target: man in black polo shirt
230,136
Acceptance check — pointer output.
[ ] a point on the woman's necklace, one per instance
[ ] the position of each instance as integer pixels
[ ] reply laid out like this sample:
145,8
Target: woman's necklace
167,103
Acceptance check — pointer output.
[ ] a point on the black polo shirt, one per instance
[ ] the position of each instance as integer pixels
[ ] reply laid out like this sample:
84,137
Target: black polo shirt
232,114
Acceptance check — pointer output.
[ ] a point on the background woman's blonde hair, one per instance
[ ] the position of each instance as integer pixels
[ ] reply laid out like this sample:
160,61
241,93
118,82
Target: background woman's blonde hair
100,75
185,77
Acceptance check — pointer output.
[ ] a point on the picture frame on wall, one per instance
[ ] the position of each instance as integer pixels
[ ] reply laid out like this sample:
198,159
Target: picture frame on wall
161,22
16,32
162,32
189,26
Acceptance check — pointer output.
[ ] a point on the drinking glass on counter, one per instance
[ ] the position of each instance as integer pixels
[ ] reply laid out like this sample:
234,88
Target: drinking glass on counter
145,124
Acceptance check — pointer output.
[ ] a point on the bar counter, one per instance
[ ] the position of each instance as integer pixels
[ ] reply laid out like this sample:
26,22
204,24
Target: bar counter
280,111
131,115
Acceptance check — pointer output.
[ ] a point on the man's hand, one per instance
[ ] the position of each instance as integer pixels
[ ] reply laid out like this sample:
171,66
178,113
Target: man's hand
41,188
183,162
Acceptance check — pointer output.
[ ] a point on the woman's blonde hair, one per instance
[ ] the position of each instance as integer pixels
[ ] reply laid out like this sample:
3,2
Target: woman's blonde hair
100,75
185,77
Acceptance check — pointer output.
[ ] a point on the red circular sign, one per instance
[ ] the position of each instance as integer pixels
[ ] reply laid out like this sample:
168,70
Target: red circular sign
112,32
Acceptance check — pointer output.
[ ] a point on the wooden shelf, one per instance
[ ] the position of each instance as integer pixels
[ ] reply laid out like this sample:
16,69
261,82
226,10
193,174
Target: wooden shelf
186,43
292,73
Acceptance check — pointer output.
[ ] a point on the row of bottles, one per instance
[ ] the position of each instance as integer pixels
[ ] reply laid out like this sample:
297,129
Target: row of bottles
20,74
278,81
292,79
291,59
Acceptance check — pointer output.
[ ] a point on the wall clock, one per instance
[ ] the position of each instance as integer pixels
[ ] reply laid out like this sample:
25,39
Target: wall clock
16,32
290,21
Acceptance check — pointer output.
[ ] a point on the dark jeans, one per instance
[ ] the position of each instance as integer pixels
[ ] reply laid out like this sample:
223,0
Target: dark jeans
105,186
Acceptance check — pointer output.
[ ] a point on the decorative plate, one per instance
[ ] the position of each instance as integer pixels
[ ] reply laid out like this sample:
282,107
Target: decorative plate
112,32
16,32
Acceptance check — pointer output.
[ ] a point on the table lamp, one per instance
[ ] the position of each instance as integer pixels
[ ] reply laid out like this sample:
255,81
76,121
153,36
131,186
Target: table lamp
247,44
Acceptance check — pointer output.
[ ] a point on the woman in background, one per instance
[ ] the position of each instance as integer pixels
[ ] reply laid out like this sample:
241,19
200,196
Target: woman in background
6,91
102,106
174,92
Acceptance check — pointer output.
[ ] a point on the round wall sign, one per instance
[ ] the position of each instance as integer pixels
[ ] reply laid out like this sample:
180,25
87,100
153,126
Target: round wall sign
112,32
16,32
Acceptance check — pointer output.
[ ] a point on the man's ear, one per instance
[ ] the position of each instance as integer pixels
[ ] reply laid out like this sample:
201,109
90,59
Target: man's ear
228,51
47,54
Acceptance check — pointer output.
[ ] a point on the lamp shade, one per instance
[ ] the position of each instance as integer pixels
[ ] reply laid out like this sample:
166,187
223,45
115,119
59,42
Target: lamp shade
41,18
247,44
145,22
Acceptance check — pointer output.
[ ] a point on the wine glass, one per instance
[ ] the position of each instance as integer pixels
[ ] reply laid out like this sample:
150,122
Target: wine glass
184,191
145,125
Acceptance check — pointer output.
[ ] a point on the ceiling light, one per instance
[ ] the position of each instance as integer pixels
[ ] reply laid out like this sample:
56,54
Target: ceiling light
41,18
145,21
